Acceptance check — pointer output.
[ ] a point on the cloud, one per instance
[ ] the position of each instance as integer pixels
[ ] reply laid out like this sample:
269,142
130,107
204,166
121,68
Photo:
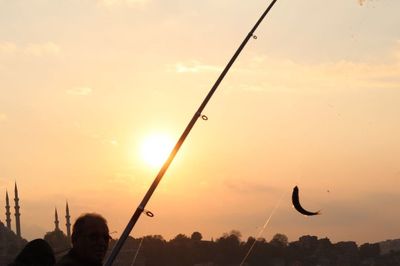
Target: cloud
362,2
31,49
3,117
80,91
7,48
261,73
127,3
194,67
264,73
42,49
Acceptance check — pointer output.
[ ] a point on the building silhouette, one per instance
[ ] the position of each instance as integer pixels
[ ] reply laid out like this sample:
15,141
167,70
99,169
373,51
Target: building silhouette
56,238
11,242
68,222
56,222
10,245
8,213
17,213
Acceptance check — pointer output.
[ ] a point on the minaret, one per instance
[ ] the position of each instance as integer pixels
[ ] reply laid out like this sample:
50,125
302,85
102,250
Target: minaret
56,221
8,213
68,223
17,214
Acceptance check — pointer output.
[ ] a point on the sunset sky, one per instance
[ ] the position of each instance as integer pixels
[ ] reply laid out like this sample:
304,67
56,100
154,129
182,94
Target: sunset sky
314,101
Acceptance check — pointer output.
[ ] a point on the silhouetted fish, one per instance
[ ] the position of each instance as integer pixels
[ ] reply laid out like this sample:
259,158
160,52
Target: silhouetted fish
297,206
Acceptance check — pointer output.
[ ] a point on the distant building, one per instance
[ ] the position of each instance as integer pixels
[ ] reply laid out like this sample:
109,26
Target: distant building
10,245
8,213
68,222
57,239
12,242
17,212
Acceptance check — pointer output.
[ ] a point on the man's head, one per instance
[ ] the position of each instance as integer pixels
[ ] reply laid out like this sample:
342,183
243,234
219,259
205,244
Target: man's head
90,237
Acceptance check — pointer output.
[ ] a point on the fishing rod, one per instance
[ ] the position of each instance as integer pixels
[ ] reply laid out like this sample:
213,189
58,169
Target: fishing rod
141,208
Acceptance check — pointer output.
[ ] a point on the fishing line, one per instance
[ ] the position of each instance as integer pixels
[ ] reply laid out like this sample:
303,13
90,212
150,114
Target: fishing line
265,224
137,251
264,227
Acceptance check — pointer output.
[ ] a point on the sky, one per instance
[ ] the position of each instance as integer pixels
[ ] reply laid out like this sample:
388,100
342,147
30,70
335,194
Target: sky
312,102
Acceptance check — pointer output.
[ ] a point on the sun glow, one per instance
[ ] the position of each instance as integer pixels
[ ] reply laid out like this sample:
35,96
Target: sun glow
155,149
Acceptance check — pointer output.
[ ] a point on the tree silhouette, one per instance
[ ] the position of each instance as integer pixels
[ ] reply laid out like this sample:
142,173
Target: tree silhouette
196,236
154,249
369,250
228,248
279,240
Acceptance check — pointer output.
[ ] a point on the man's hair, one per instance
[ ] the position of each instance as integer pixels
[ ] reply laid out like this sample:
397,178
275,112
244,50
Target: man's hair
79,224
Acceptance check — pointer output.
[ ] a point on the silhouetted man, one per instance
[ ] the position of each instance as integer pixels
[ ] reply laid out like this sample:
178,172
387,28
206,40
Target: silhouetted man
90,239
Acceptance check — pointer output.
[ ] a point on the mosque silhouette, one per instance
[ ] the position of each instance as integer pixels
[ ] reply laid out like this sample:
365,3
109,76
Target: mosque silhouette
11,241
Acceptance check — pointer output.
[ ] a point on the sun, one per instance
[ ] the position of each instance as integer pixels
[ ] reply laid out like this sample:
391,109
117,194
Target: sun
156,148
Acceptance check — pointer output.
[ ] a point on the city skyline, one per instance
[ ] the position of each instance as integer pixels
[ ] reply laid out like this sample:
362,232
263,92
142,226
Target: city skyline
17,225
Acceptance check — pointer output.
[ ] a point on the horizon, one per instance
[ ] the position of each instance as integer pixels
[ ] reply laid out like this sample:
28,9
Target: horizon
89,87
237,233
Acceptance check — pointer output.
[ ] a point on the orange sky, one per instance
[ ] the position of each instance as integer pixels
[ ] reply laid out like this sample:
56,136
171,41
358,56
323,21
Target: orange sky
312,102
